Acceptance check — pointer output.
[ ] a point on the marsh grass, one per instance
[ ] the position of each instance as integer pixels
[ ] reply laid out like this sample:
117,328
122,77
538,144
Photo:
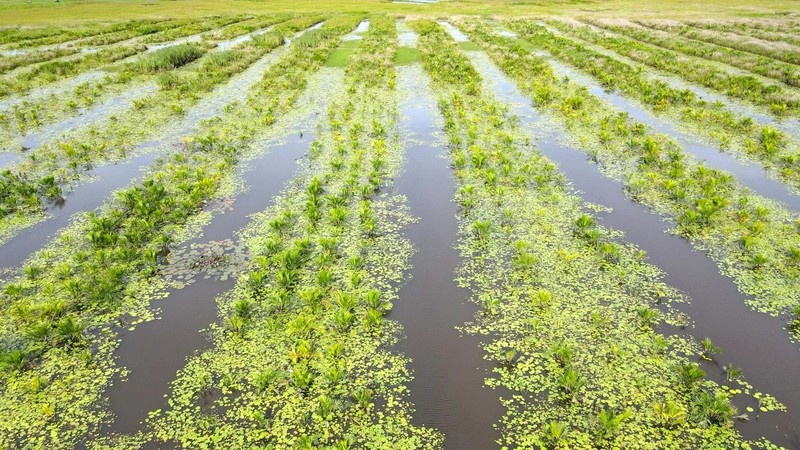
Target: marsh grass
190,27
761,65
10,63
168,58
769,94
33,37
268,40
51,71
774,49
248,26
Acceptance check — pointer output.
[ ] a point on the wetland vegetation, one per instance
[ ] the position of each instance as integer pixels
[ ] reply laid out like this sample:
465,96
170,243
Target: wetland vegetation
580,339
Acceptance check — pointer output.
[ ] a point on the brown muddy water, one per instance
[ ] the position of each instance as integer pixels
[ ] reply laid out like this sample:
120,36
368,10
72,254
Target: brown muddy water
448,389
755,342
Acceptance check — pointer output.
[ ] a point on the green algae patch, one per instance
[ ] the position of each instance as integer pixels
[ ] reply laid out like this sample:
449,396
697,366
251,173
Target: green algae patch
406,55
341,55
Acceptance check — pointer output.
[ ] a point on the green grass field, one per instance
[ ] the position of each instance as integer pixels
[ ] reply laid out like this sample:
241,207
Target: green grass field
22,12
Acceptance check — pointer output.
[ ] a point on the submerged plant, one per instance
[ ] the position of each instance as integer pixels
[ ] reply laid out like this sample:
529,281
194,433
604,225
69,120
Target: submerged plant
266,379
541,298
168,58
363,397
732,373
69,332
14,360
647,316
570,382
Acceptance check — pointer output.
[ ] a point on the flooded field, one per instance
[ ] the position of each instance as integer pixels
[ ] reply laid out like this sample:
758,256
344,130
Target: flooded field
343,230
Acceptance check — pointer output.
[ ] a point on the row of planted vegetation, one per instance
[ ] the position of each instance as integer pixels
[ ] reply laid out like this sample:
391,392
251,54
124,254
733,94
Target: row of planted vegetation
780,31
31,38
572,317
47,48
772,95
32,113
303,359
56,67
569,311
722,37
60,319
761,65
185,74
753,240
733,132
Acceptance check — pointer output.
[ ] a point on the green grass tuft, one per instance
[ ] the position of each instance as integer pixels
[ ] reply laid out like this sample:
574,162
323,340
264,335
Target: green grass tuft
168,58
